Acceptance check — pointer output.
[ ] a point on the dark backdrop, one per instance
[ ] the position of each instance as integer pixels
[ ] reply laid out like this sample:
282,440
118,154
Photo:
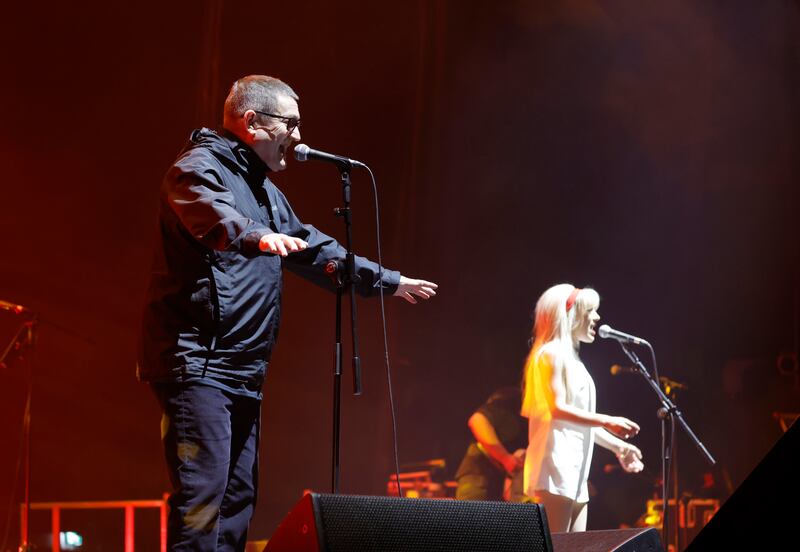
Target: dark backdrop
648,150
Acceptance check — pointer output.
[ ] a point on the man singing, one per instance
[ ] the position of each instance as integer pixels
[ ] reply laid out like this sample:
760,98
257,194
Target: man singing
213,306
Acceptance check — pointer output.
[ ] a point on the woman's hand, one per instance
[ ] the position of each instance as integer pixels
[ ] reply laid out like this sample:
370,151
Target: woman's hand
621,427
630,458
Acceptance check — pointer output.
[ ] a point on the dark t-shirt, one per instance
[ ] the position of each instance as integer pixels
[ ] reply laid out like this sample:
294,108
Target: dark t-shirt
502,410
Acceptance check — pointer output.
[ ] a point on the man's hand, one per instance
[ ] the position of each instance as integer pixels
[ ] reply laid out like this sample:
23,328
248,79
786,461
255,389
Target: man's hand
409,287
630,458
514,462
280,244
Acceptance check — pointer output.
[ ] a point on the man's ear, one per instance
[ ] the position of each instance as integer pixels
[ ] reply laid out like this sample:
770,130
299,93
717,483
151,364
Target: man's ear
249,125
249,119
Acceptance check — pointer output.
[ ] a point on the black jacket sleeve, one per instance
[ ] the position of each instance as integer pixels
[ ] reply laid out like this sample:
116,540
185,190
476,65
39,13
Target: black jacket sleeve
205,208
310,263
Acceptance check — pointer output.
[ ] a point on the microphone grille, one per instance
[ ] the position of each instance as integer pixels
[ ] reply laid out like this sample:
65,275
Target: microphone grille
301,152
604,330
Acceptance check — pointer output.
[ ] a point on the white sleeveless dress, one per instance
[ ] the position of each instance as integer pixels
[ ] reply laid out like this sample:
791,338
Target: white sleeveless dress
559,453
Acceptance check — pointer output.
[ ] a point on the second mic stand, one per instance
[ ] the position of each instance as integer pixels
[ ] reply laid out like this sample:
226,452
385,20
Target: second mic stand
667,413
345,277
23,345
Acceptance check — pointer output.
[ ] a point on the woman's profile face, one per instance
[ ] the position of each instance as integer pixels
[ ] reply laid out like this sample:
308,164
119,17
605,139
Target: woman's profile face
585,330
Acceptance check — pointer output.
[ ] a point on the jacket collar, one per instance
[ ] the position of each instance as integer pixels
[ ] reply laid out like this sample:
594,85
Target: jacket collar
231,150
244,154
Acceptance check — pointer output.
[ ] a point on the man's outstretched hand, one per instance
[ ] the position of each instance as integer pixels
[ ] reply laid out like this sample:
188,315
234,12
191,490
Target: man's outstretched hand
409,289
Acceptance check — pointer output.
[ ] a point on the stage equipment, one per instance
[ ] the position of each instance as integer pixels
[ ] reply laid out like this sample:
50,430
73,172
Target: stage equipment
303,153
344,276
617,370
424,479
690,517
15,308
616,540
22,346
129,507
607,332
668,412
346,523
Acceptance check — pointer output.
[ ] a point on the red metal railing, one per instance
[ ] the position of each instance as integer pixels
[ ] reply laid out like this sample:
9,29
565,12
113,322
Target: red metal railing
128,505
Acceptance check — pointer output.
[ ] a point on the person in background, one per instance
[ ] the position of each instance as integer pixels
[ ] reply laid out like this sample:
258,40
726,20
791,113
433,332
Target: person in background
494,458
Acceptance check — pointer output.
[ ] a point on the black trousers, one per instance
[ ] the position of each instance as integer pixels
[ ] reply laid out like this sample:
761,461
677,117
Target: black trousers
210,441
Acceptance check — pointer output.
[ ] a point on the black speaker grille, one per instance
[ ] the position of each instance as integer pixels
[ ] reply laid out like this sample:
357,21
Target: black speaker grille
372,523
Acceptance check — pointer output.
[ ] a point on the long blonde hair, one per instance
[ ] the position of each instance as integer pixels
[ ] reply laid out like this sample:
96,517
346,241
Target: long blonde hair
553,326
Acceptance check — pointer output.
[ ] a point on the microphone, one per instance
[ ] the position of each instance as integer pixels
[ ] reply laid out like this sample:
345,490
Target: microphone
666,382
13,307
616,370
303,153
607,332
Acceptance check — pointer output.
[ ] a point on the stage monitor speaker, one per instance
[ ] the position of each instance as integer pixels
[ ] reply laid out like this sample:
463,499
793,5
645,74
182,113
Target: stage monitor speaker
616,540
347,523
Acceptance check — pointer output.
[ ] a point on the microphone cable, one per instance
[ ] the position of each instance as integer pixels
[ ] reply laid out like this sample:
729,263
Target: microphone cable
653,358
385,336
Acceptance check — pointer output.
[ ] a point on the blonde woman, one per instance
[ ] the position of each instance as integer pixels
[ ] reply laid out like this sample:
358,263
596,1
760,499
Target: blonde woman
559,402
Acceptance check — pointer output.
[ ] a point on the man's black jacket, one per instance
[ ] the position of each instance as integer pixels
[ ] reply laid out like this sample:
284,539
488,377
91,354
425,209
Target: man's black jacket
213,304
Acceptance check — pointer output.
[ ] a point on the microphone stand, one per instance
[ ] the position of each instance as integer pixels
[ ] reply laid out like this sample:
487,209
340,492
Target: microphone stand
668,412
344,279
23,344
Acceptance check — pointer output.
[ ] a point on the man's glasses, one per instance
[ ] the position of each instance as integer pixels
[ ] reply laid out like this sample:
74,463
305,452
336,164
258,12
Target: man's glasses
290,122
